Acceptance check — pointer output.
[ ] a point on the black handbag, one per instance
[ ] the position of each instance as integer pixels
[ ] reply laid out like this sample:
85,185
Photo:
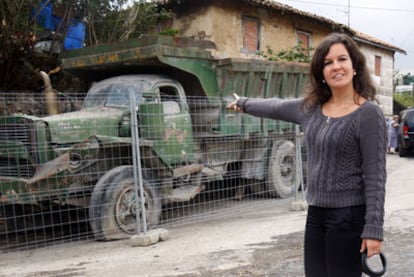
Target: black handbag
367,270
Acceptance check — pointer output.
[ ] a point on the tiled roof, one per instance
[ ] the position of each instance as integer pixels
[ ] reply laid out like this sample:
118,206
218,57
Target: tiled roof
335,26
371,40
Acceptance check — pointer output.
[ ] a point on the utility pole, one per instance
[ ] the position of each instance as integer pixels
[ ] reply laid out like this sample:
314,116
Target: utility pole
347,11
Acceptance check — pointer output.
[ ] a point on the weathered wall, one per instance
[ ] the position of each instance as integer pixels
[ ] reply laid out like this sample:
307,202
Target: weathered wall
221,23
384,82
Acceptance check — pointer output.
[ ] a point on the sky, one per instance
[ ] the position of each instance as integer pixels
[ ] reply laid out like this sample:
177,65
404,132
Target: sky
389,20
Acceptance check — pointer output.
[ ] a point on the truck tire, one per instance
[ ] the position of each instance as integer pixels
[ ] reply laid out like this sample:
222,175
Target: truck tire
281,171
112,210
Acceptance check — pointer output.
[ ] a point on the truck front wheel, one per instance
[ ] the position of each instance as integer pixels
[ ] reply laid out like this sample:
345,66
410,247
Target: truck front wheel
281,172
113,208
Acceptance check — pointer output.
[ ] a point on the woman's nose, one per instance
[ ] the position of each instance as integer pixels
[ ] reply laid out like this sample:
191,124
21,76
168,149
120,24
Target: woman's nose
336,65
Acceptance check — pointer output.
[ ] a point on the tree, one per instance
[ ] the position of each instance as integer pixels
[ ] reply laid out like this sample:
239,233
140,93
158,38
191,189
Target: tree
20,65
408,79
16,41
113,22
106,21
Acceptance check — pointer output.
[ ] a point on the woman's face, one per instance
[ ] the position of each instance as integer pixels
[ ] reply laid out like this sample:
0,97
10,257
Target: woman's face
338,71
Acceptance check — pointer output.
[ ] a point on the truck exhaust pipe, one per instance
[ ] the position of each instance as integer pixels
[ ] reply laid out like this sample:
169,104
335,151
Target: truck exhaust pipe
49,94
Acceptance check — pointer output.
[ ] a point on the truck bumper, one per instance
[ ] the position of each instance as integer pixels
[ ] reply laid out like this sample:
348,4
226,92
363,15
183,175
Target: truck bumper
45,182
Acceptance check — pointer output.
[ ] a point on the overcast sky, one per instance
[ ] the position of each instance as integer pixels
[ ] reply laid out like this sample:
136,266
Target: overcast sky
389,20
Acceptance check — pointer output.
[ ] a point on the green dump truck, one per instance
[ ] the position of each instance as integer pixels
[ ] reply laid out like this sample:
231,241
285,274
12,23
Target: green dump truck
187,136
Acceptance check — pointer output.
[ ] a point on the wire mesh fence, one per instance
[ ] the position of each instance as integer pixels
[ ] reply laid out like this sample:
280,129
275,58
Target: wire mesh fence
74,175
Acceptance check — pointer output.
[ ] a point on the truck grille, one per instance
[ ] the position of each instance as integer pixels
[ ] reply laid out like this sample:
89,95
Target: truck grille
19,168
16,132
10,166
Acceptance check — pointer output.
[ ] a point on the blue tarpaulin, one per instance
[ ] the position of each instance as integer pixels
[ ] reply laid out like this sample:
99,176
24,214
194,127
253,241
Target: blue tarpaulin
43,16
74,35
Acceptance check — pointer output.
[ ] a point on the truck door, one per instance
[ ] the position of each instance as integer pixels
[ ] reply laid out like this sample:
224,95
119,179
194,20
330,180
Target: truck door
175,145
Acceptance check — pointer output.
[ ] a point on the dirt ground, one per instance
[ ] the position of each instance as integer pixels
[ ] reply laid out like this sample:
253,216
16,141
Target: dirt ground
266,242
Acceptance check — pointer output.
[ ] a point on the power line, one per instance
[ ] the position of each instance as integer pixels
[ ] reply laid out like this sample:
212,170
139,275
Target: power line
352,6
407,37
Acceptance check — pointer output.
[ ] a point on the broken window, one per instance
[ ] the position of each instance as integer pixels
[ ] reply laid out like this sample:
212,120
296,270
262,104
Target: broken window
251,34
377,65
303,40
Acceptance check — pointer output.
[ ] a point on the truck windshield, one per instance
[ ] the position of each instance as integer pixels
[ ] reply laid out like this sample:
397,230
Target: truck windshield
114,94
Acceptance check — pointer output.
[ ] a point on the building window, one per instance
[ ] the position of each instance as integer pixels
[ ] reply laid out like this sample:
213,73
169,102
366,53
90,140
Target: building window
251,34
377,65
303,39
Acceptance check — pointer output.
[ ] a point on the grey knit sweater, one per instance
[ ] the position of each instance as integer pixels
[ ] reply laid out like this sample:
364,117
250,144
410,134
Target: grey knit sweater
346,155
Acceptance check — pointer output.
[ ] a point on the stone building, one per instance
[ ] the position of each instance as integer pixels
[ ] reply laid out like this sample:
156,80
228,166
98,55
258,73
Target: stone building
241,28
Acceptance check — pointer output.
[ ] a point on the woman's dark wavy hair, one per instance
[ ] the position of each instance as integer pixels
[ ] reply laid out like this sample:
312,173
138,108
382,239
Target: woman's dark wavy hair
318,91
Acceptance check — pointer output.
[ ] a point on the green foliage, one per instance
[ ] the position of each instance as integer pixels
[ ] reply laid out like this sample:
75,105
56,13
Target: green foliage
111,23
408,79
295,54
406,99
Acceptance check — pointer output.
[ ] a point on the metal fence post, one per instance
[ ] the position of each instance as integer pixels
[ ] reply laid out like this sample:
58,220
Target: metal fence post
136,159
298,204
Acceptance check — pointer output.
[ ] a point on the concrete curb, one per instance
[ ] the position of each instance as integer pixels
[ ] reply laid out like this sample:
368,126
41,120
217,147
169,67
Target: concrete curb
298,206
149,238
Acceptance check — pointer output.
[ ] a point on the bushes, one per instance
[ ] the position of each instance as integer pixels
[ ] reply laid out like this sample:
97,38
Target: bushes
405,99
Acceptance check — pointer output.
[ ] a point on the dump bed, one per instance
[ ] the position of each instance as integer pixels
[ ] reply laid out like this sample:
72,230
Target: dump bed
190,62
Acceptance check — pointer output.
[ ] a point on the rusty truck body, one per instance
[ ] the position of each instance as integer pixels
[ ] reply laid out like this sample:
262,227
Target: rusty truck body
187,135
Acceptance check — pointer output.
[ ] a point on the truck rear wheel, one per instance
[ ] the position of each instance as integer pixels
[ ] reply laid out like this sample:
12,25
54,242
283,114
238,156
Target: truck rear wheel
113,211
281,172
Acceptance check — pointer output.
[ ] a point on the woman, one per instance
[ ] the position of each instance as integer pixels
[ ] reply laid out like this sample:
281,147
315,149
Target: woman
346,140
393,126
